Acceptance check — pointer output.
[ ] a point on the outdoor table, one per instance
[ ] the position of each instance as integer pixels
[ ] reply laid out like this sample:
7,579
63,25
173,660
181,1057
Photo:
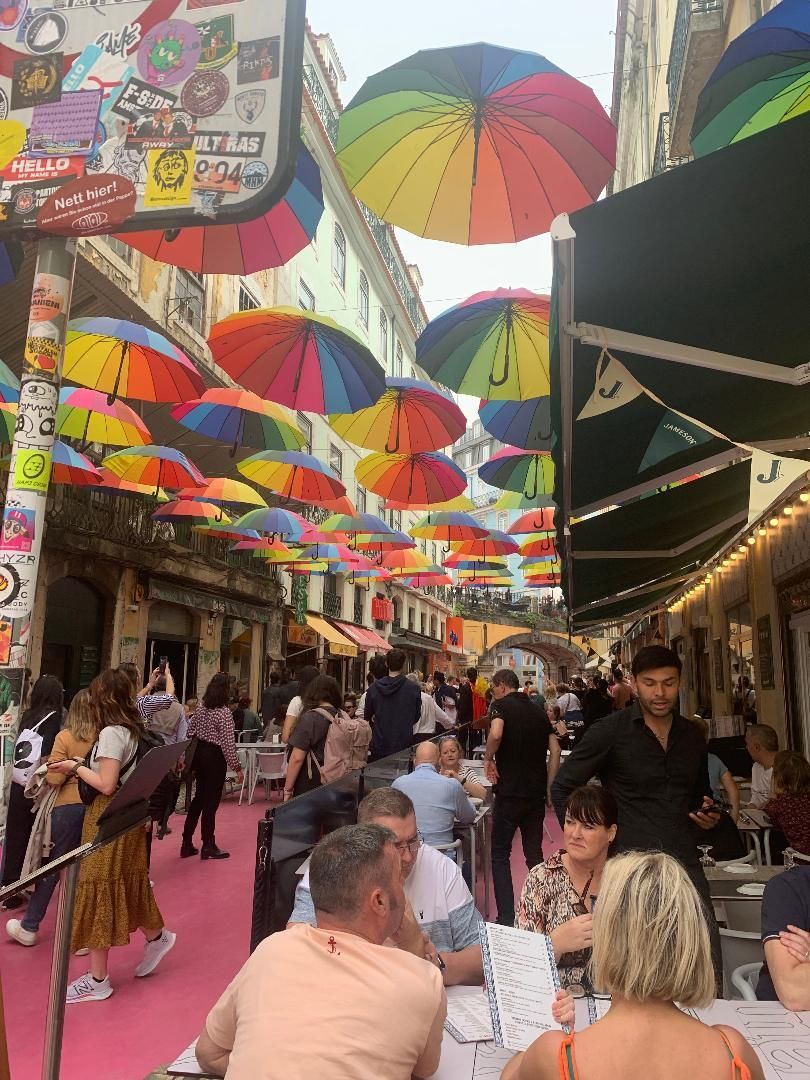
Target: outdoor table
479,830
752,822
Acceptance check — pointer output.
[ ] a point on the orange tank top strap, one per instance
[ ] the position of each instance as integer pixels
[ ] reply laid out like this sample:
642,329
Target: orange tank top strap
568,1061
739,1070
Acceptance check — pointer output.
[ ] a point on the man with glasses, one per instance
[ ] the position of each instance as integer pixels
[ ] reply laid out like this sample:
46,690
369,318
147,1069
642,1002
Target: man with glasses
440,906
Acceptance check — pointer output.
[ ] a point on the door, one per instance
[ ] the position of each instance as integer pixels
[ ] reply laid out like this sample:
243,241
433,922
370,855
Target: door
800,672
182,658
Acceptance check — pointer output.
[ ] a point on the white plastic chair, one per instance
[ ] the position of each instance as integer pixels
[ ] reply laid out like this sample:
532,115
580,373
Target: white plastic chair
743,913
270,766
739,947
745,979
455,848
230,776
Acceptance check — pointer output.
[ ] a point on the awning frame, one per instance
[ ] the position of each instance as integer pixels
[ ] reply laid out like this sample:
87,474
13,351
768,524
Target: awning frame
664,553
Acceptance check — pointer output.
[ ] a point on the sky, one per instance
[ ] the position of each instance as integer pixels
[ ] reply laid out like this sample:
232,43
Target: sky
577,35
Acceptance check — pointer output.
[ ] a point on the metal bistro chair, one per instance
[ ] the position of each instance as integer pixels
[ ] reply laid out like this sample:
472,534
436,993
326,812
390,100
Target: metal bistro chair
269,766
739,947
745,979
791,856
230,776
743,913
455,848
249,735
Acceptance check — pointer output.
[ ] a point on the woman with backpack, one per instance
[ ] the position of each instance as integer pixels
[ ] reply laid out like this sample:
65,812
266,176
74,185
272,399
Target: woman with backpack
37,731
74,741
322,701
113,895
212,725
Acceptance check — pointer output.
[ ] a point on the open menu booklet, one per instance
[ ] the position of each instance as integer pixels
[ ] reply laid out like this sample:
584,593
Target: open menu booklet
522,983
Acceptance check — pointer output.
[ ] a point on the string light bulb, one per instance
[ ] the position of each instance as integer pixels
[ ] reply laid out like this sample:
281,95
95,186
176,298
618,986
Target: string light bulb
762,531
742,549
788,511
752,540
774,523
804,496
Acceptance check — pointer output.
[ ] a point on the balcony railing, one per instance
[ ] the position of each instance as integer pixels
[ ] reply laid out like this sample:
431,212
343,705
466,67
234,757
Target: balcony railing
358,613
690,63
662,160
332,605
381,232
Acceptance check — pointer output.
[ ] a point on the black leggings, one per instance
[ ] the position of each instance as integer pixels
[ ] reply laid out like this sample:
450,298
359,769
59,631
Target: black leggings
19,823
209,769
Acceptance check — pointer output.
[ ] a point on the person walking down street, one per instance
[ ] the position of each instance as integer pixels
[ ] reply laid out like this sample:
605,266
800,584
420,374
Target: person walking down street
44,717
432,719
295,705
113,895
520,738
446,695
393,706
377,669
322,700
212,724
596,701
654,762
75,741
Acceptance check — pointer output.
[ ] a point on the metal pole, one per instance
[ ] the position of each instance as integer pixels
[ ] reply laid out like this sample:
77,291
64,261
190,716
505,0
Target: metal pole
32,450
55,1017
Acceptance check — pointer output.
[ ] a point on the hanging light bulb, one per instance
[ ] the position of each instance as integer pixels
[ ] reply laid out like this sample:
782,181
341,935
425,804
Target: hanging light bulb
804,496
742,549
788,511
762,531
774,523
752,540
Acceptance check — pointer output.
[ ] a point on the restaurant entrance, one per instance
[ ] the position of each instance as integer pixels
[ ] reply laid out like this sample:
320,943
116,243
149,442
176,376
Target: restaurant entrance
172,633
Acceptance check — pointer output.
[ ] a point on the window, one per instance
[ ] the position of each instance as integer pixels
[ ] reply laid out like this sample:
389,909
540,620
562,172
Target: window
190,299
122,250
339,257
306,297
398,366
411,618
335,461
413,373
424,547
503,522
423,624
441,638
305,427
433,550
468,459
247,301
381,508
433,626
364,299
384,338
360,501
486,451
396,520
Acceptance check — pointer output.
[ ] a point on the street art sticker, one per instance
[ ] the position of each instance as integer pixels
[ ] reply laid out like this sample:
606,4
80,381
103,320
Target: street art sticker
18,528
169,176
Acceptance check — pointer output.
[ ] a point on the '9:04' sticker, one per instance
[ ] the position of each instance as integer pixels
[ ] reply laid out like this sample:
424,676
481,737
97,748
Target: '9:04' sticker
218,175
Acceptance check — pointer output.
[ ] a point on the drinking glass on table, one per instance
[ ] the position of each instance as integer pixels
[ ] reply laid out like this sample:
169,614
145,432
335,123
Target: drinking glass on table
706,859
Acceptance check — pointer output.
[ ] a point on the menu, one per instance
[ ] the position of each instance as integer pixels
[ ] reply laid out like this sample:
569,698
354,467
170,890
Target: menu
469,1019
522,981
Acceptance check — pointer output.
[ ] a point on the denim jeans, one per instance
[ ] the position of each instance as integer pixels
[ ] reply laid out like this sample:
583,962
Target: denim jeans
66,834
508,815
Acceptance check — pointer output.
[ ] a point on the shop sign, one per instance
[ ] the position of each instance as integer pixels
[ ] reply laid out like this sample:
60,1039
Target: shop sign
301,635
336,649
454,635
382,610
193,598
765,642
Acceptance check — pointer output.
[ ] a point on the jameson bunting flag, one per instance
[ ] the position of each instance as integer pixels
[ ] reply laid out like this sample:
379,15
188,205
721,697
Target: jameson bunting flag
615,386
770,476
673,434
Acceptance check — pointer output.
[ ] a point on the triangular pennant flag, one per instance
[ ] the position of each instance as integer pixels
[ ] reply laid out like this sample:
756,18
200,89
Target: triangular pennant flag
673,434
615,386
770,476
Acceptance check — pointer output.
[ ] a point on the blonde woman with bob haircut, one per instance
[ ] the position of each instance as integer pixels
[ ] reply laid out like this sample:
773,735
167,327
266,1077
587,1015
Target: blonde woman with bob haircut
650,950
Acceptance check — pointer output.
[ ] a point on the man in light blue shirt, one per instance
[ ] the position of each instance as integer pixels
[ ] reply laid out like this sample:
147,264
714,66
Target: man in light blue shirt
439,800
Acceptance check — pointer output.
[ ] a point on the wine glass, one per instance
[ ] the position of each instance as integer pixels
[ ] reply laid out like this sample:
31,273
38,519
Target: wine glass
706,859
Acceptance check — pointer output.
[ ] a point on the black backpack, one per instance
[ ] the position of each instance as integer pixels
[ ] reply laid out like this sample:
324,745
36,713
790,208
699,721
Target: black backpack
147,741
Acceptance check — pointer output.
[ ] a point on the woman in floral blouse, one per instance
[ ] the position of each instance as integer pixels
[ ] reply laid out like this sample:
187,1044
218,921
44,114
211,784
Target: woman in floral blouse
560,893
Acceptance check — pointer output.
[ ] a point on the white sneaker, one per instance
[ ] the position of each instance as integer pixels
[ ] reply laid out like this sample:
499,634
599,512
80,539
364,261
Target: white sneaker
81,952
16,931
87,988
154,951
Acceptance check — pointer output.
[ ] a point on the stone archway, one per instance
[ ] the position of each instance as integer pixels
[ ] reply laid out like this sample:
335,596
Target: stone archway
561,657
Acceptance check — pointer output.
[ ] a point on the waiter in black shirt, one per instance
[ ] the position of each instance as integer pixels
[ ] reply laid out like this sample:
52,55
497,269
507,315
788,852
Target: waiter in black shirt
654,763
520,738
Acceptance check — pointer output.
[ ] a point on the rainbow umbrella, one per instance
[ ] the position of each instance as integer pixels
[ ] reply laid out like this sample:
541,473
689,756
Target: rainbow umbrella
387,541
423,477
408,559
529,472
155,466
485,582
111,482
460,502
272,550
240,418
478,568
516,500
341,504
542,544
475,144
267,241
232,531
302,570
411,417
293,475
427,581
519,423
89,416
122,359
274,522
428,570
299,359
493,345
9,384
8,421
190,510
448,525
535,521
495,543
333,553
71,467
763,79
352,524
544,581
223,491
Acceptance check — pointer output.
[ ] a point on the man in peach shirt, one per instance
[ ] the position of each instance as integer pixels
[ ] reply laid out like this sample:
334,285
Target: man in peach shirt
331,1000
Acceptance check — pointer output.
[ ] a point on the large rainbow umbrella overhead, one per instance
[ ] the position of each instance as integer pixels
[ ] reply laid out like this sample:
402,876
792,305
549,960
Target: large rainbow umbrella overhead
333,553
298,359
240,418
385,541
448,525
530,473
123,359
516,500
352,524
425,478
111,482
273,550
191,511
476,566
493,345
275,522
526,424
9,384
88,415
267,241
411,417
71,467
460,502
475,144
542,544
430,570
427,581
231,531
224,492
540,520
155,466
292,475
8,421
763,79
494,543
409,559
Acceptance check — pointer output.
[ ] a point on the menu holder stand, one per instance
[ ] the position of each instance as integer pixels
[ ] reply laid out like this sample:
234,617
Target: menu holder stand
128,810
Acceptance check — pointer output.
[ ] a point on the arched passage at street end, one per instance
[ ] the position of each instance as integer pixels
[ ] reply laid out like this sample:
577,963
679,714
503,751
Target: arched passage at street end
561,658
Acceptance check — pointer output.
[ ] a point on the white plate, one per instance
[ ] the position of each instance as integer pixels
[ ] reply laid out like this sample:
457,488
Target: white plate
740,868
751,888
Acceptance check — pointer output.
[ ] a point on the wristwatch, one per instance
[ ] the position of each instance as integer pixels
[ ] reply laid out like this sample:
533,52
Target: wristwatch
441,963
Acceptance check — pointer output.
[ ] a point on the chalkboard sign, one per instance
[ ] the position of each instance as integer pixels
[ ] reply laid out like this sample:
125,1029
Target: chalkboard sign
765,641
717,661
89,665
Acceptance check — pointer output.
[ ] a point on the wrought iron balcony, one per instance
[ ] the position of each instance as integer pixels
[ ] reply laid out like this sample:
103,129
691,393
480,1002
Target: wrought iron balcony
358,613
332,605
697,45
381,232
662,159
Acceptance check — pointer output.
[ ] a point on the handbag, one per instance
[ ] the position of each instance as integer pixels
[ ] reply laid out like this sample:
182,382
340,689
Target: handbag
28,751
